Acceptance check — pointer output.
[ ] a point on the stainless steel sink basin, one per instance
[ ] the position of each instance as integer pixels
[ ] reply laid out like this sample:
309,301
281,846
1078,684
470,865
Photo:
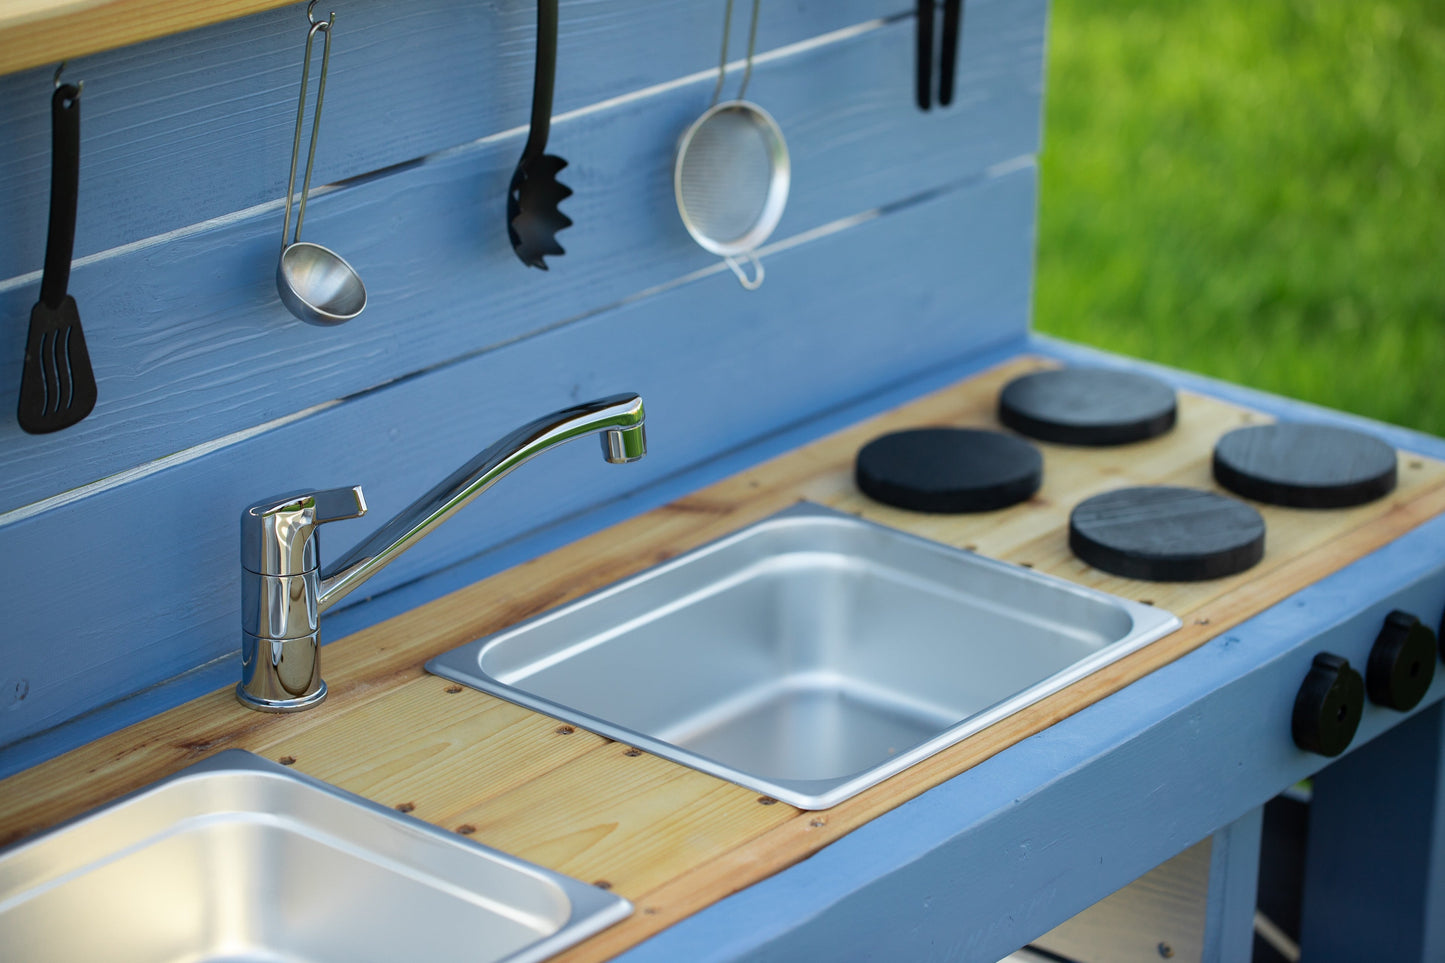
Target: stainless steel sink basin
808,656
237,858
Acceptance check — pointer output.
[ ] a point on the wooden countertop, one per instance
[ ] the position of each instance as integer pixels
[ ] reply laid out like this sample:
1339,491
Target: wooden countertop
668,838
37,32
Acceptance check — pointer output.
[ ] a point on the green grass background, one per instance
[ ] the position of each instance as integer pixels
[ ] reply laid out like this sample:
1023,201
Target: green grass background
1255,191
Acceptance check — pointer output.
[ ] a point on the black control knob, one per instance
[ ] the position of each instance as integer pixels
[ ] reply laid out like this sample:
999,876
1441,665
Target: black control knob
1402,663
1329,705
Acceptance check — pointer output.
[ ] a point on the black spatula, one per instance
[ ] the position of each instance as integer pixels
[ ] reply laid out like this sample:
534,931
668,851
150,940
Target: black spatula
57,387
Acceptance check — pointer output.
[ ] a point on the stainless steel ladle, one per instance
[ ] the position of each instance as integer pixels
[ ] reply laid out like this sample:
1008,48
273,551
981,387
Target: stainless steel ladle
315,283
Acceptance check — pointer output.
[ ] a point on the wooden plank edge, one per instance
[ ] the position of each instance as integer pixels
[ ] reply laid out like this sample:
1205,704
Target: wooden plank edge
44,33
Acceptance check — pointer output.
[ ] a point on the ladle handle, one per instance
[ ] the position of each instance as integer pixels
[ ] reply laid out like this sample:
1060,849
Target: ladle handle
317,26
543,80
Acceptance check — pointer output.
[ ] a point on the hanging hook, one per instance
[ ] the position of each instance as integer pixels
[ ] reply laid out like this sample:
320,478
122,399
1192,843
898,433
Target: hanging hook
61,69
311,15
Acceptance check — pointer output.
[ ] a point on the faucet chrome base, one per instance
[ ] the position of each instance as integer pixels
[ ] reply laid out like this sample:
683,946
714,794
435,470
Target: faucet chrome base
280,675
280,705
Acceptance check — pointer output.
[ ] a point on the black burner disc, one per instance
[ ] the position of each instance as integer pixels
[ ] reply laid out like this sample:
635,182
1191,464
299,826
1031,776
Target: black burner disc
1087,406
1305,466
949,470
1166,534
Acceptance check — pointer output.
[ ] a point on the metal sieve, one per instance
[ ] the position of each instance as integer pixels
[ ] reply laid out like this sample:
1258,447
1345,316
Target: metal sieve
732,171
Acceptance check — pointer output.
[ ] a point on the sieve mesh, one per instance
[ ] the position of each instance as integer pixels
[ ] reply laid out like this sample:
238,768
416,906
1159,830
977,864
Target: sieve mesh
725,176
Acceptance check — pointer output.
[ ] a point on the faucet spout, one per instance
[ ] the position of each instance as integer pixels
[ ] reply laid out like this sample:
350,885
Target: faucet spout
619,418
284,590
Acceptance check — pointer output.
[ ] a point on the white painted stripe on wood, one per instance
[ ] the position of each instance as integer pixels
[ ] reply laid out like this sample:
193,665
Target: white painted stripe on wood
160,464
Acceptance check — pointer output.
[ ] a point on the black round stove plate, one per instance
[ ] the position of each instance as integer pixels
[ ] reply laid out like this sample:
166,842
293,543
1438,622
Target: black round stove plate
1088,406
949,470
1305,466
1166,534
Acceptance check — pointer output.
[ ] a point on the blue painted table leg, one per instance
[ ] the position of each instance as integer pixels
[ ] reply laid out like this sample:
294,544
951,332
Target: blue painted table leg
1375,862
1233,884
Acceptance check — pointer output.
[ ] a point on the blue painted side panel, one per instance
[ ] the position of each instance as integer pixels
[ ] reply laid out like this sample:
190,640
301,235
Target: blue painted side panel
1233,889
197,125
190,342
826,328
998,855
1375,867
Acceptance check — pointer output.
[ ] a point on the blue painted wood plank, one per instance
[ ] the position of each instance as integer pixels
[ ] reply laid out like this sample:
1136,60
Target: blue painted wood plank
1375,861
198,125
378,606
157,557
988,861
1233,889
190,343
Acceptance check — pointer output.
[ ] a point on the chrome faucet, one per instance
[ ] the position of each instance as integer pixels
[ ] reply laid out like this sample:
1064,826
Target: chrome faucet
283,592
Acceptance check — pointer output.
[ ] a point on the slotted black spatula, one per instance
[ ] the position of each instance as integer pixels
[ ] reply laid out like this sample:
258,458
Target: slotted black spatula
57,387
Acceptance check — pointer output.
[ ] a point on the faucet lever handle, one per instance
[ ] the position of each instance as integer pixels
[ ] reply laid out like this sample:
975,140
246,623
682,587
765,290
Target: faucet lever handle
339,504
330,505
276,534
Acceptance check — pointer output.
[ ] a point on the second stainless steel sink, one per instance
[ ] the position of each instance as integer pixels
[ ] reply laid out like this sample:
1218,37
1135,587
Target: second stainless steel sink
237,858
808,656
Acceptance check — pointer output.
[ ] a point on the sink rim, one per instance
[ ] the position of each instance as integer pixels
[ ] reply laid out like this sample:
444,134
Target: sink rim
463,664
589,910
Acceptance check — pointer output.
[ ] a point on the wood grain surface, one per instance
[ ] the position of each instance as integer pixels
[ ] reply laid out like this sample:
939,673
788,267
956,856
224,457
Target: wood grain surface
670,839
44,31
1164,908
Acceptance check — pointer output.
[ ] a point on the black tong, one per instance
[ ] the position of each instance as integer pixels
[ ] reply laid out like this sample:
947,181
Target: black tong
947,55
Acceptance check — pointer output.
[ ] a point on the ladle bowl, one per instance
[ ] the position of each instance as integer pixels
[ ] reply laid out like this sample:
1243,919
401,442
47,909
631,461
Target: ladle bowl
317,285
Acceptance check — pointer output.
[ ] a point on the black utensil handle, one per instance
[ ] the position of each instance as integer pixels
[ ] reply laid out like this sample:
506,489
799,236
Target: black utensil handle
948,54
543,80
64,186
924,80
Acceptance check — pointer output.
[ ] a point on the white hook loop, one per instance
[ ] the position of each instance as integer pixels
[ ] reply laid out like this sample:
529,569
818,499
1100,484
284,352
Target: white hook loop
756,281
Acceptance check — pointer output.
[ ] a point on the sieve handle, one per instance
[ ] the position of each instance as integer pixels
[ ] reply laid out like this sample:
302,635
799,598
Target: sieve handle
756,281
